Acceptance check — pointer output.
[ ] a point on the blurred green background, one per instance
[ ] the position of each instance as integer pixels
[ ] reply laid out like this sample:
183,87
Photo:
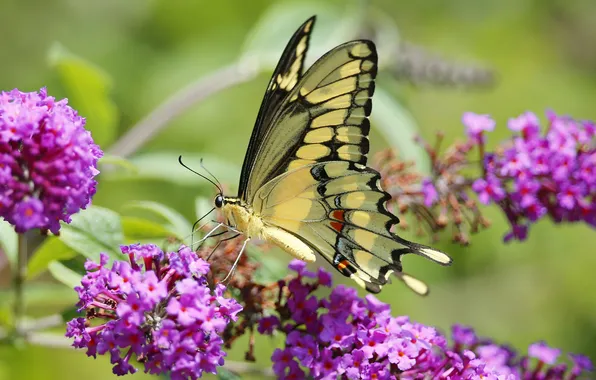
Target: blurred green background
541,50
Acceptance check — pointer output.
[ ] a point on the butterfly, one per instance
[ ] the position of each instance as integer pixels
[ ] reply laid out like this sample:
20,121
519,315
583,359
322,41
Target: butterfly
304,185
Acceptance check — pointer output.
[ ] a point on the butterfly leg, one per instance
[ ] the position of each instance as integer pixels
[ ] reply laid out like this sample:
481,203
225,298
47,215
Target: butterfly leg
236,261
218,226
219,243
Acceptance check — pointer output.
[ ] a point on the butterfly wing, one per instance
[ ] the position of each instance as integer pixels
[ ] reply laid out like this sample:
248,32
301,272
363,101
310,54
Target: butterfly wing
323,118
337,208
285,77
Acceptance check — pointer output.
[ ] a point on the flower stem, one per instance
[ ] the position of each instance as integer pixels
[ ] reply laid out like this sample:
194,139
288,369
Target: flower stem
19,281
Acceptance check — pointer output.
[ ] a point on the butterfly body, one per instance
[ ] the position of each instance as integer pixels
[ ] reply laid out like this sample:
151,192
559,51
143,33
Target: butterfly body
305,186
250,224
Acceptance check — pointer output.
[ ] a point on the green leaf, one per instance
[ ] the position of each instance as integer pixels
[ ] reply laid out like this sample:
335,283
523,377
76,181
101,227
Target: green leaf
87,87
399,128
165,167
65,275
70,313
178,224
6,316
226,374
50,250
335,25
272,268
116,161
202,206
140,229
42,296
93,231
9,242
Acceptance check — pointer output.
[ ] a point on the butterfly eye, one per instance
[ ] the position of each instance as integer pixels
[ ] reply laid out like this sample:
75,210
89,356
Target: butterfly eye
219,201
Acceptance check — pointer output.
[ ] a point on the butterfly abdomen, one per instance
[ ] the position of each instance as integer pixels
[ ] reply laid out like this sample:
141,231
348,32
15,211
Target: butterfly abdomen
288,243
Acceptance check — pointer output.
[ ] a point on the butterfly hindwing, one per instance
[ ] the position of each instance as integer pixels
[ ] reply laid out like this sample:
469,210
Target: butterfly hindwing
338,209
324,117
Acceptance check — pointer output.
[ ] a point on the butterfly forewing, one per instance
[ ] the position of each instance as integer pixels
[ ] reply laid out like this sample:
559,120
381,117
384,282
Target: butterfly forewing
323,118
285,77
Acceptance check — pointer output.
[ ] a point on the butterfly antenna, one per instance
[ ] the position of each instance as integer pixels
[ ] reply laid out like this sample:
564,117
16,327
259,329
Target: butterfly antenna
207,170
200,175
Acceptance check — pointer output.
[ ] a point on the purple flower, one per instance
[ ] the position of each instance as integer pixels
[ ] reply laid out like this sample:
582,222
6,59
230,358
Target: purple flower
488,191
324,278
47,161
518,232
268,324
476,125
543,352
464,335
429,192
299,267
581,363
527,123
158,308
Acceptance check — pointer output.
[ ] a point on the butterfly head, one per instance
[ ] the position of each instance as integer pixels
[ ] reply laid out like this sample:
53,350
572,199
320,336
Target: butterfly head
219,200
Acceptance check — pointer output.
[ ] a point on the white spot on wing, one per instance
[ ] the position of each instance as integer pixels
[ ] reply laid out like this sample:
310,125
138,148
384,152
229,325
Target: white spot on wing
437,256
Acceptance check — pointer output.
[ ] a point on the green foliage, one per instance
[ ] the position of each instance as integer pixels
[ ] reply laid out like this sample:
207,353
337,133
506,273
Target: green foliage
274,265
115,162
176,223
92,231
224,374
266,47
63,274
164,166
139,229
87,87
97,230
50,250
398,127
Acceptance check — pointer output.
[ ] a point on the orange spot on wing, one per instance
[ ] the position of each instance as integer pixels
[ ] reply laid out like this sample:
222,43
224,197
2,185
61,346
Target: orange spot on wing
338,214
342,264
337,226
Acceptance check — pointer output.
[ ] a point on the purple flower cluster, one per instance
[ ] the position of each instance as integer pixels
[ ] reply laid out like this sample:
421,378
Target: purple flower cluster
534,173
348,337
47,161
158,308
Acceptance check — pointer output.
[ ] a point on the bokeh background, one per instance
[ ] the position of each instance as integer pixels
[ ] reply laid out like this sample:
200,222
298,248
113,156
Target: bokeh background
541,53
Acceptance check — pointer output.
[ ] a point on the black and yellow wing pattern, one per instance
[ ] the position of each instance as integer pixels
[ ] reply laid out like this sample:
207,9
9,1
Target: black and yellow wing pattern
305,171
285,77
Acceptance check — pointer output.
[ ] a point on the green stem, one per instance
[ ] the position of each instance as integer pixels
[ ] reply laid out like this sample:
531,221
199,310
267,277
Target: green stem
19,281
